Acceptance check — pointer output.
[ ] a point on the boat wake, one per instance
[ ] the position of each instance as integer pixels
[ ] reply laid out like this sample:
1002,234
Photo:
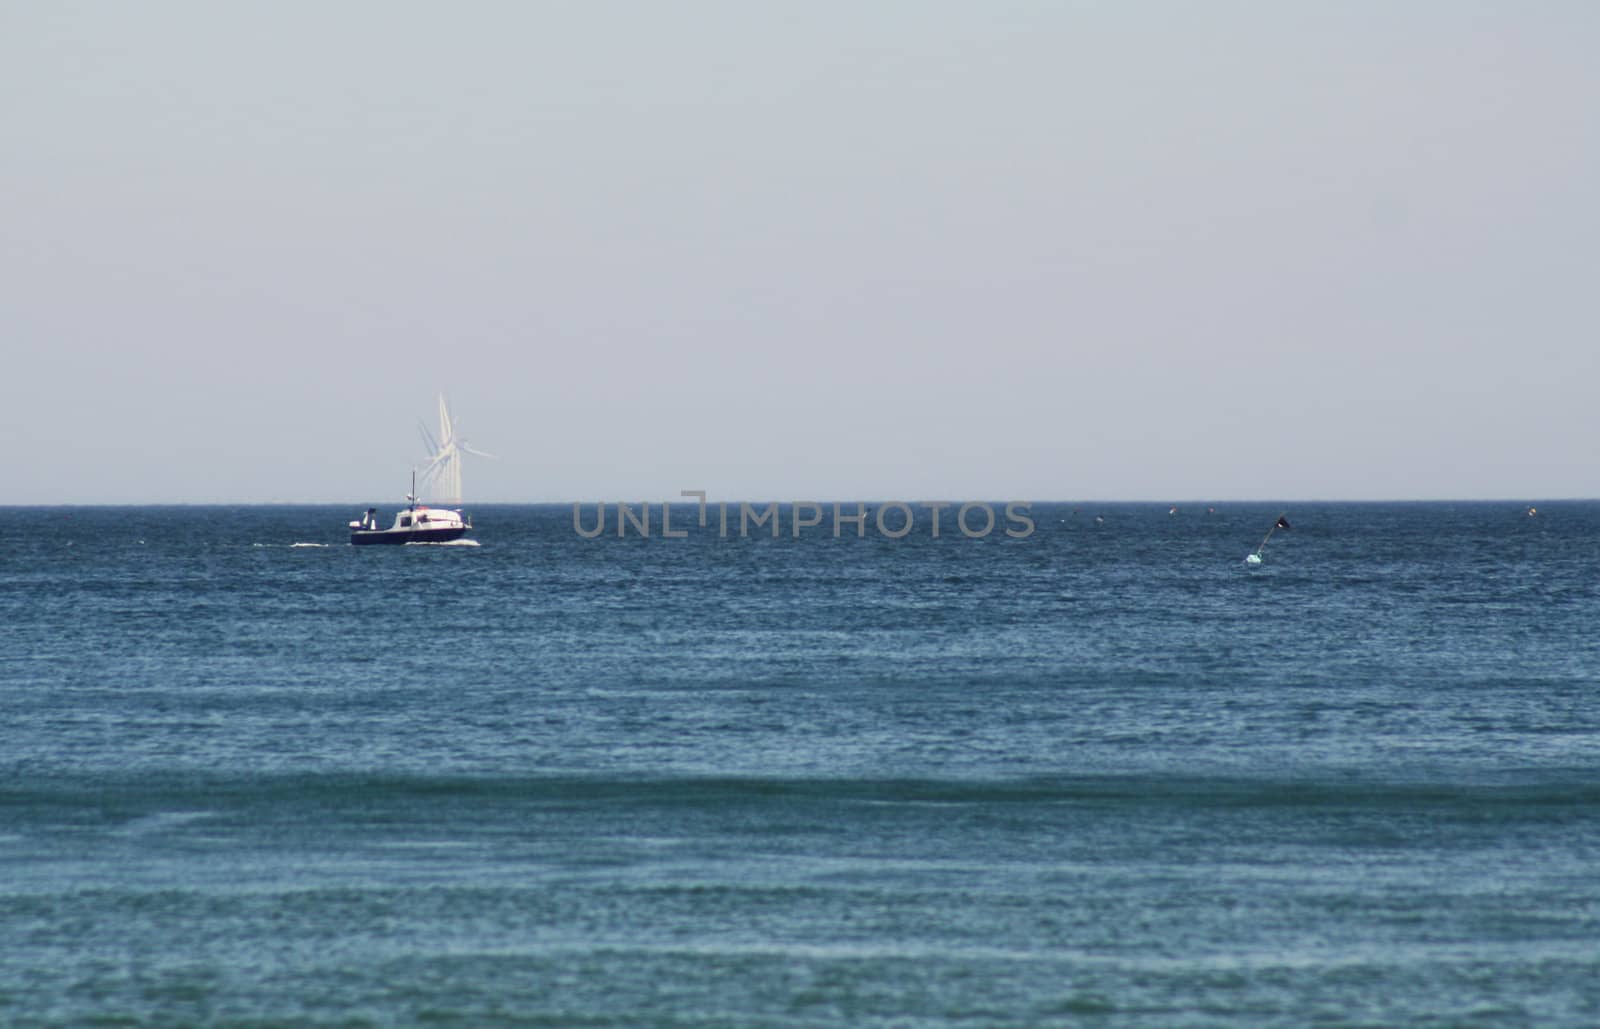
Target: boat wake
442,543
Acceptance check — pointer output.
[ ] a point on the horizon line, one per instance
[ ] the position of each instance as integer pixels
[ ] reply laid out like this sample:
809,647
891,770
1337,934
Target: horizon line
691,502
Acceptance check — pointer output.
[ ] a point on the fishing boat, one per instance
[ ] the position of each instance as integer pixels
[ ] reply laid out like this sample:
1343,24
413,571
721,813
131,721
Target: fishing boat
414,523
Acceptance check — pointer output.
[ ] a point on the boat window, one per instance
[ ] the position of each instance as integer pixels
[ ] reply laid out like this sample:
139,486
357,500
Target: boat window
405,521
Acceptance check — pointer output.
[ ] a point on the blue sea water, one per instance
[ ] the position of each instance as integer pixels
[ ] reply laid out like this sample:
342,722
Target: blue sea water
1105,774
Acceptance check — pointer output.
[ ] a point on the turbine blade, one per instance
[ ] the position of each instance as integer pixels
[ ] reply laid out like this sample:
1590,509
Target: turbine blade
478,452
446,426
427,438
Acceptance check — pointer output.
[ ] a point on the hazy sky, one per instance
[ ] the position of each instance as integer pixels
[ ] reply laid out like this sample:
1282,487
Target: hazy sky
824,250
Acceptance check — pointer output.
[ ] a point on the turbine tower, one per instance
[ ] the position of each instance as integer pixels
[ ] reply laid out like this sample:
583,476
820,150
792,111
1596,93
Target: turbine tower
442,475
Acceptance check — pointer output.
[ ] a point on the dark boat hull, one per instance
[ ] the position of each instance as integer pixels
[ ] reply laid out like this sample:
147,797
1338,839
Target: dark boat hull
368,537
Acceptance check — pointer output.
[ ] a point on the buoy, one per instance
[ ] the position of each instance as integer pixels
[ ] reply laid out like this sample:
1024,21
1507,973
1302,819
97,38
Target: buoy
1252,559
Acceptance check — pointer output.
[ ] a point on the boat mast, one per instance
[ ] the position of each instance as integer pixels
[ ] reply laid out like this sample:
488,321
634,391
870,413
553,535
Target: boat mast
1269,533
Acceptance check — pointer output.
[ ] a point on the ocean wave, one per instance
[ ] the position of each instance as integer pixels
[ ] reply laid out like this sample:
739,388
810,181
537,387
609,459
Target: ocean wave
1576,790
161,821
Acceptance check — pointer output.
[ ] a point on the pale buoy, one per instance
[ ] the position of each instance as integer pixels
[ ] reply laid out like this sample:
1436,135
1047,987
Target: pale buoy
1253,559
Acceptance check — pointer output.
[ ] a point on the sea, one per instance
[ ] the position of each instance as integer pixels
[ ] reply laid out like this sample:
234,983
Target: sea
1101,772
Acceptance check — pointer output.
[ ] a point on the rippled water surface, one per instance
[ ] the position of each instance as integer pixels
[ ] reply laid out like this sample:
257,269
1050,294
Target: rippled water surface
1104,773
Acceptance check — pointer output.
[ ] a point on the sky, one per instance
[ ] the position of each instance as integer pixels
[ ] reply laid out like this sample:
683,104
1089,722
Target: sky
824,250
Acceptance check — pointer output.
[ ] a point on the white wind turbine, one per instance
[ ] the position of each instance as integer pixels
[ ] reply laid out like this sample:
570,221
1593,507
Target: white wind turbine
443,471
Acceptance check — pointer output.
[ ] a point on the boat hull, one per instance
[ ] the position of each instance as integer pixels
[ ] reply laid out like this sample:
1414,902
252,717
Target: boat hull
369,537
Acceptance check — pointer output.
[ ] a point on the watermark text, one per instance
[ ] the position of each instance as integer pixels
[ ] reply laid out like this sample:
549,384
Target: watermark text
892,519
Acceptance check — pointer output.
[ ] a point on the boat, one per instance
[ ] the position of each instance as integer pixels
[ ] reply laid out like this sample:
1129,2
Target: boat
414,523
